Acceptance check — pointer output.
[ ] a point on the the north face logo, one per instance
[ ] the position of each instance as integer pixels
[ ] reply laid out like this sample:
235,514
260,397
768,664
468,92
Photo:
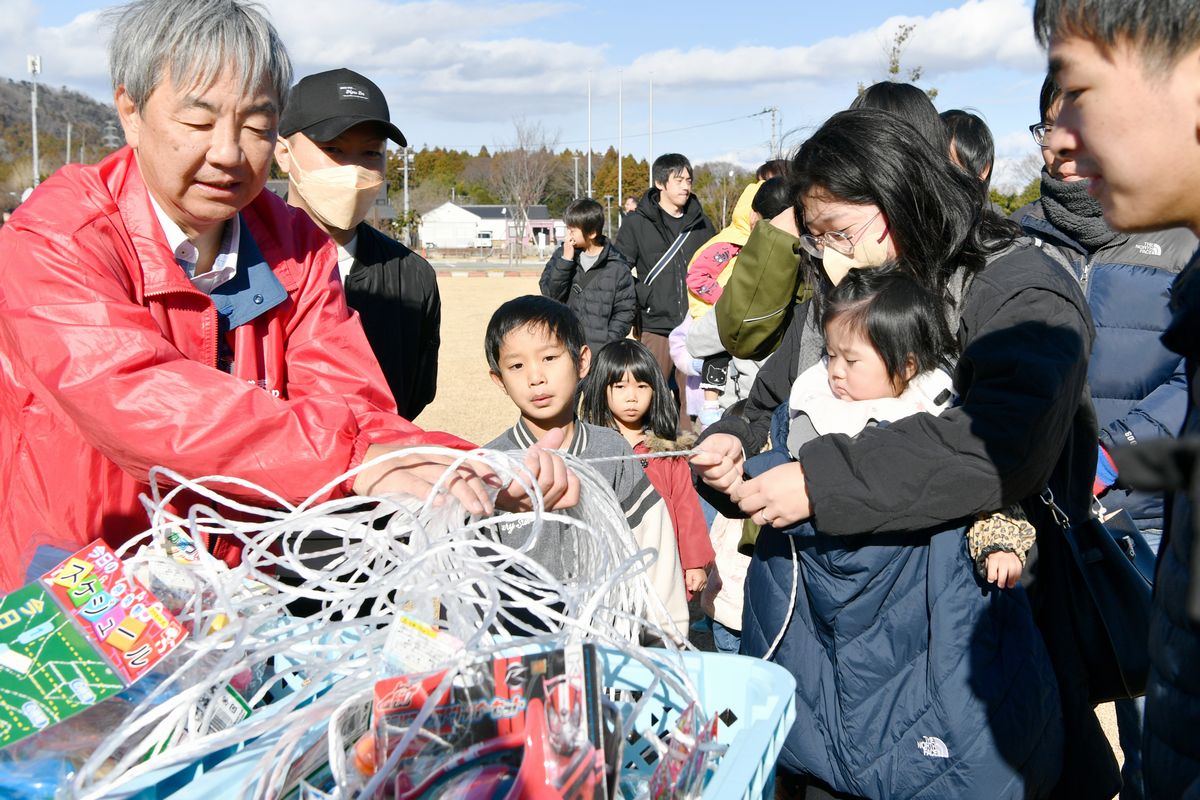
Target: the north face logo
933,747
348,91
1149,248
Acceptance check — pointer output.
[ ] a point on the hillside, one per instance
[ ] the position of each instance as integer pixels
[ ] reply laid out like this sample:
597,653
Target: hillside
90,121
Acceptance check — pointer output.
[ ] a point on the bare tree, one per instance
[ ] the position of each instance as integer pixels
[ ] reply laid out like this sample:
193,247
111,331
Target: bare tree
522,170
894,71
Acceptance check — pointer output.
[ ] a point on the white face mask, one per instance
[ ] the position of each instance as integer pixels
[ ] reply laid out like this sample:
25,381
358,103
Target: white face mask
337,196
870,250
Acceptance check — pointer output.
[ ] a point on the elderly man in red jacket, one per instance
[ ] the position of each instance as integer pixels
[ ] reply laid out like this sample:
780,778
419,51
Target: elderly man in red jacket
160,308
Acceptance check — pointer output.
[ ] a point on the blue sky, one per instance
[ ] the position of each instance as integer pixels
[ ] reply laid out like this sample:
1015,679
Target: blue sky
457,72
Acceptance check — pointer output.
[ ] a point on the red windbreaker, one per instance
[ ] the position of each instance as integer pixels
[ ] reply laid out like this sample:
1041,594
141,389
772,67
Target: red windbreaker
672,478
108,367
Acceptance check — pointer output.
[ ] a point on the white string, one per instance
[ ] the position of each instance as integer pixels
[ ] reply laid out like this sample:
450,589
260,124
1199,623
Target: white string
391,555
791,604
670,454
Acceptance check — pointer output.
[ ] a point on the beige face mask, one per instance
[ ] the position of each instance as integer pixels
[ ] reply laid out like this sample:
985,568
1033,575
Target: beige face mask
869,251
337,196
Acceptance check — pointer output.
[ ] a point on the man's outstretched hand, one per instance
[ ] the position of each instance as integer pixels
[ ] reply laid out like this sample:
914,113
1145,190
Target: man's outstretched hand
417,474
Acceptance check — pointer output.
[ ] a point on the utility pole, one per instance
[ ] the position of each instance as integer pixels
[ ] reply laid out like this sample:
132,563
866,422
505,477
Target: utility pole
111,140
725,198
404,155
774,136
35,68
407,157
620,134
67,160
650,157
589,157
576,158
82,145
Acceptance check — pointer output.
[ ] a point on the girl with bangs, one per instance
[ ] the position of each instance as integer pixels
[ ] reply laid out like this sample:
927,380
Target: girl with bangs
625,390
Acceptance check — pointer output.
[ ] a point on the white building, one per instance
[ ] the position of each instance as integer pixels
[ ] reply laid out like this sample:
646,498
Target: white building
451,226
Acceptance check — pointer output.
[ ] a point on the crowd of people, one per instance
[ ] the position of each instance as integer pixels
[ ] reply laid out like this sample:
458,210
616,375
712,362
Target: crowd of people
855,424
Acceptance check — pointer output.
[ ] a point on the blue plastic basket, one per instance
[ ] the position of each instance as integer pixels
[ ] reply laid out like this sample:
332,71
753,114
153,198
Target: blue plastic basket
754,700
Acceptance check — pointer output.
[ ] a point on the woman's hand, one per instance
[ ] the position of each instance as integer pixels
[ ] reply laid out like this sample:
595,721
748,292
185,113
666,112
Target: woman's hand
778,497
718,461
694,580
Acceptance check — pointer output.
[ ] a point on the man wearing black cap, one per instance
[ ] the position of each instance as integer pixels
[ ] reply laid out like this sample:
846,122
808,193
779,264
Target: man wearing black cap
332,144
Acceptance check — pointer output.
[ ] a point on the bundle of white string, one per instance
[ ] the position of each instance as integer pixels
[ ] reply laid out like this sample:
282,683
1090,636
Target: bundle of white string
422,557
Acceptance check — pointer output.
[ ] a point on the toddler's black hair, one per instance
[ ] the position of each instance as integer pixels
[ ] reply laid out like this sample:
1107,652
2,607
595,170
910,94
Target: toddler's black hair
903,321
772,198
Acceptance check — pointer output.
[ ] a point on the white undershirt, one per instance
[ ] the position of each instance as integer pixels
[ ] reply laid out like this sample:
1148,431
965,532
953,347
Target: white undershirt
223,269
346,256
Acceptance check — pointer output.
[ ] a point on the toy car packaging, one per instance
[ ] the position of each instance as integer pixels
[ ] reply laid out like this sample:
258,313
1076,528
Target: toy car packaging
524,727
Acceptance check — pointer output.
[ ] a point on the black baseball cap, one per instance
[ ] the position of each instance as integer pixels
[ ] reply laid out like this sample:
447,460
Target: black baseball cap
325,105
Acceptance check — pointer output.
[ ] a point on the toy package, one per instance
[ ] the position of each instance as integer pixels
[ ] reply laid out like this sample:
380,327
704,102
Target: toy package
681,774
80,634
527,726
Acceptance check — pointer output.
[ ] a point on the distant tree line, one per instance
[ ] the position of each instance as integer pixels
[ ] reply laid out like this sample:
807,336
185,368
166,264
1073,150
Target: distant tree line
437,175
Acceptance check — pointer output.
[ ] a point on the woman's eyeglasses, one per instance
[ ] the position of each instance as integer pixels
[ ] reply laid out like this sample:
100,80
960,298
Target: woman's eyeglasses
838,240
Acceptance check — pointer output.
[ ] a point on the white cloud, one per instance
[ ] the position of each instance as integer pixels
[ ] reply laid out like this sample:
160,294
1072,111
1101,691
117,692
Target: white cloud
747,158
73,54
1015,143
976,34
451,66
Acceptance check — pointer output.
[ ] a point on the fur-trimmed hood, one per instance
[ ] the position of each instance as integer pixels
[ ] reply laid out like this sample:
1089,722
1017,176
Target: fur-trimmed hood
655,444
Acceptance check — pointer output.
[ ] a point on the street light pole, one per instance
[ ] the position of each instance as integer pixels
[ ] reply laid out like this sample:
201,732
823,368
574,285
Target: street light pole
589,153
407,156
650,145
576,157
620,143
608,213
724,197
35,69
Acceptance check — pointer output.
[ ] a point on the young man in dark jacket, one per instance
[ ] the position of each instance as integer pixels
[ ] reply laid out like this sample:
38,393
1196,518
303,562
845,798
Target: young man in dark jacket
591,277
1138,386
338,122
659,239
1116,62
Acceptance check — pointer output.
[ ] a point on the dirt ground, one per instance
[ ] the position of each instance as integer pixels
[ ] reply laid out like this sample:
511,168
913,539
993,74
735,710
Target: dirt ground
470,405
